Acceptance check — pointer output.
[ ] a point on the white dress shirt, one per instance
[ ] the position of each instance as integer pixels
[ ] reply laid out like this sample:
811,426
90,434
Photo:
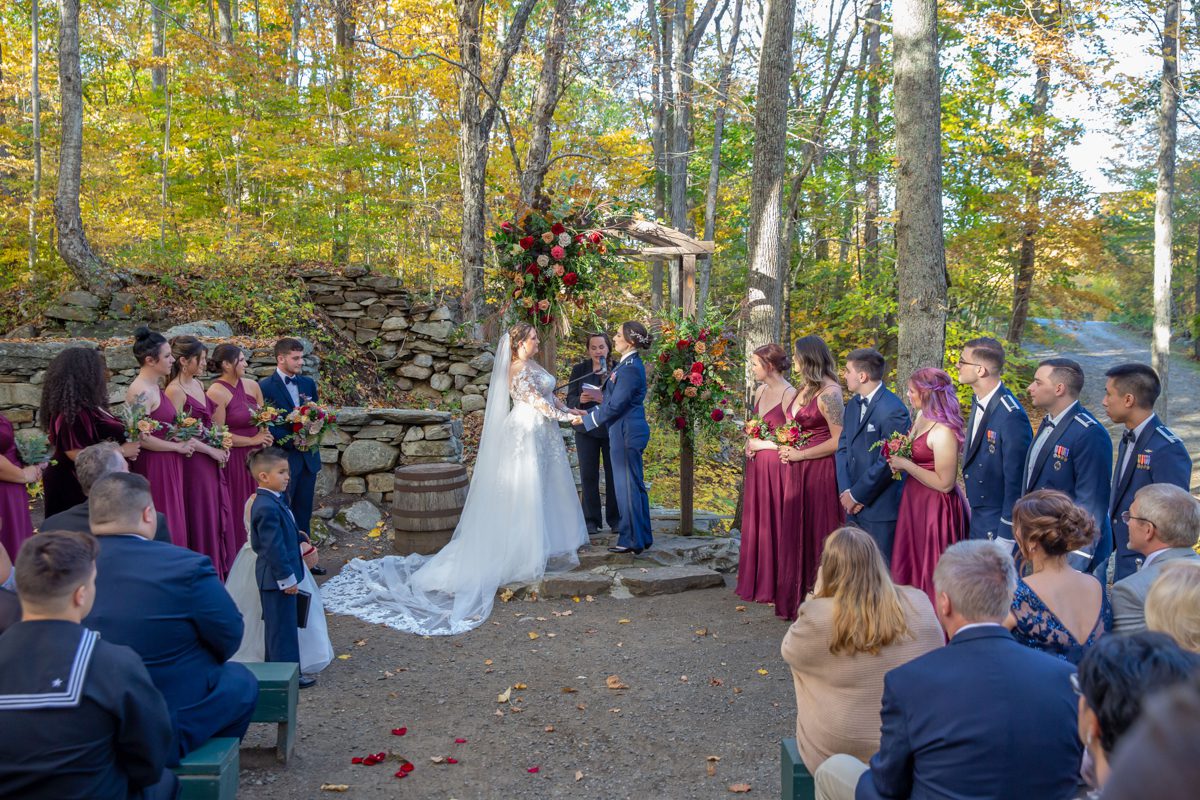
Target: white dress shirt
866,401
984,402
292,389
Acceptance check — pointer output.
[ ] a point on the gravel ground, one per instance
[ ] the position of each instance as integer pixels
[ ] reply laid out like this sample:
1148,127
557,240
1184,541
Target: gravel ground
704,676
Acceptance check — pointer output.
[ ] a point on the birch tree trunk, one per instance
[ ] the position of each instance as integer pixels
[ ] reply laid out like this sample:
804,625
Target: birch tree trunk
874,91
89,269
767,266
343,36
920,249
35,101
158,26
660,36
1168,112
225,21
545,101
294,52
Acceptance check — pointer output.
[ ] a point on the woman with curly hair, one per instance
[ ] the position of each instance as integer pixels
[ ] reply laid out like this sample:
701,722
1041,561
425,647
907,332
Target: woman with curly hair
74,414
1056,609
933,513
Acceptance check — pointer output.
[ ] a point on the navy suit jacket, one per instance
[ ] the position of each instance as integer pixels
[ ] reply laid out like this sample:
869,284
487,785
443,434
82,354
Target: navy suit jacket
862,470
168,604
623,409
983,717
1077,459
276,539
1159,456
995,459
275,393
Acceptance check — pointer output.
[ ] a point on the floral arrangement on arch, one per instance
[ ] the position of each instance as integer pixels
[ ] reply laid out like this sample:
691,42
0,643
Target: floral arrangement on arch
689,382
548,265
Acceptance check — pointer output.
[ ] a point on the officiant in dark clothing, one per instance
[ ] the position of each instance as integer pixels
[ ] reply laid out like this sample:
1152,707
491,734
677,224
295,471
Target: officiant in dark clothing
79,716
591,446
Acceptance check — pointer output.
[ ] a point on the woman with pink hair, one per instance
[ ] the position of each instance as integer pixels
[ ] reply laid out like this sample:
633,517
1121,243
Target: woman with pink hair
933,514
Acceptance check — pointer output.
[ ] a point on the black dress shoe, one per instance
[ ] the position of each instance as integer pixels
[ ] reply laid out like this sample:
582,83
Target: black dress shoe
307,681
592,531
623,550
319,570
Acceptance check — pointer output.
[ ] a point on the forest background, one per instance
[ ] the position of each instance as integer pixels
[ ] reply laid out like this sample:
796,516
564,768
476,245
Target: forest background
224,142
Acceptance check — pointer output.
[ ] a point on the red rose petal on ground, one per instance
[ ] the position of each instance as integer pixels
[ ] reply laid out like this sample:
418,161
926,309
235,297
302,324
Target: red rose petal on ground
533,770
356,760
451,760
381,756
370,761
460,741
399,731
401,773
407,767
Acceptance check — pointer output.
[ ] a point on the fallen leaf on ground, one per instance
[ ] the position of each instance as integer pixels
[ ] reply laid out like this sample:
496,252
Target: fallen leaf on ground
624,621
739,608
574,599
578,775
712,758
737,690
762,671
533,635
520,686
739,788
590,599
549,729
702,631
335,787
551,635
566,613
615,710
715,682
613,682
540,619
343,657
710,769
581,706
506,595
438,759
360,642
569,690
504,696
499,713
683,678
487,662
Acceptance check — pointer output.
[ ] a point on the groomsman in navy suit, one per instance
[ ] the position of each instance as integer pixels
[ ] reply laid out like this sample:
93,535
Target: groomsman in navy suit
1072,453
286,389
998,436
1149,451
867,490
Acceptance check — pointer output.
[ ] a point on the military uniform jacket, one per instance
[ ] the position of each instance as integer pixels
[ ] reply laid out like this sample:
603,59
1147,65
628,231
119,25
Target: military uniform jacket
1077,460
993,464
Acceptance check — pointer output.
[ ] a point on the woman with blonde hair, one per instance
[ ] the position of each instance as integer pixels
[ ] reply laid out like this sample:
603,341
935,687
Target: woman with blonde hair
1173,603
853,628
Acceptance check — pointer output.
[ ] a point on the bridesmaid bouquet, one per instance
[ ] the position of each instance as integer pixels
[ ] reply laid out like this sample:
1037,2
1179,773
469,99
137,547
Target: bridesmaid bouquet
309,424
185,427
897,445
791,435
265,416
33,448
217,436
757,429
137,420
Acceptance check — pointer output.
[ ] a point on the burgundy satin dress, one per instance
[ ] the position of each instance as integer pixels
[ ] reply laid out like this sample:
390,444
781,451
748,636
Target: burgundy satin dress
206,500
15,523
164,470
763,524
242,485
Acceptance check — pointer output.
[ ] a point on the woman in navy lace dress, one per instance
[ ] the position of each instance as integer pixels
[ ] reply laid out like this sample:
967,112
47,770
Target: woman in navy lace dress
1056,609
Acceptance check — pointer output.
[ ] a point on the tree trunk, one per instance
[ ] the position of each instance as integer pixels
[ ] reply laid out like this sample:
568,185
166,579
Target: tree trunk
89,269
294,57
920,249
767,265
660,36
35,98
1196,292
225,21
1168,112
714,168
874,92
1032,223
158,25
166,155
545,100
343,36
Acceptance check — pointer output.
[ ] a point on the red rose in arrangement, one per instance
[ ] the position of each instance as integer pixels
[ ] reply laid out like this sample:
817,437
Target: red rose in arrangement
696,378
570,279
557,253
683,343
526,242
506,226
558,228
704,334
546,319
680,423
663,358
533,270
717,415
594,237
678,395
697,366
579,237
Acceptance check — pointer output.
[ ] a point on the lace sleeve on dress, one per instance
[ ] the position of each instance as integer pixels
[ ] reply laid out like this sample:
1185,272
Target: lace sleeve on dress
524,389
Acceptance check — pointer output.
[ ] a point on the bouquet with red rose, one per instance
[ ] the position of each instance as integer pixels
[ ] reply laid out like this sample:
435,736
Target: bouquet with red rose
897,445
757,429
264,416
308,425
690,376
790,434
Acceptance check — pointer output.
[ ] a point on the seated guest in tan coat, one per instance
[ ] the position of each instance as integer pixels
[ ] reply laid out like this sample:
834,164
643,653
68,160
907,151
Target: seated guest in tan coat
852,628
1173,603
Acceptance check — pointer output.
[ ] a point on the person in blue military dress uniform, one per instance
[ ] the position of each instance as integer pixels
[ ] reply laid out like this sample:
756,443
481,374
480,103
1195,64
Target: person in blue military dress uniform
1071,452
998,437
1149,452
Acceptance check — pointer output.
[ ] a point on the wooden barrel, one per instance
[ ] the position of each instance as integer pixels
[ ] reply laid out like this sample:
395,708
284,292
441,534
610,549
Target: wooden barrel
426,505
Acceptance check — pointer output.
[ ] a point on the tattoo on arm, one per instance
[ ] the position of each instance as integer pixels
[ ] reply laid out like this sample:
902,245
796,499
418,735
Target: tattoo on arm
832,407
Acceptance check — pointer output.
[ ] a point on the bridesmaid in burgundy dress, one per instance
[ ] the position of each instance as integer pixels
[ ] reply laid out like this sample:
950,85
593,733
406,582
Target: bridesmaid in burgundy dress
933,514
812,509
205,491
15,524
763,524
234,399
74,414
161,460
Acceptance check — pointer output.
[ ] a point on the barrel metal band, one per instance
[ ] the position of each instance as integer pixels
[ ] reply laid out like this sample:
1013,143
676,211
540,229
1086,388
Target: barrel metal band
414,489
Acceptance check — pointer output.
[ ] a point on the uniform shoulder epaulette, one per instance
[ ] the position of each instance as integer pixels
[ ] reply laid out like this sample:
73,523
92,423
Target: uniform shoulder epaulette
1085,419
1010,402
1168,434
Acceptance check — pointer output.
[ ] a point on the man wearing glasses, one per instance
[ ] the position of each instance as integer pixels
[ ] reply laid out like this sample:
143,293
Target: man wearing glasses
997,440
1162,524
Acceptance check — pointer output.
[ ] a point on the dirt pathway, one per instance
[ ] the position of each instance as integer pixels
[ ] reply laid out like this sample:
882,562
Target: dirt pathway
1100,345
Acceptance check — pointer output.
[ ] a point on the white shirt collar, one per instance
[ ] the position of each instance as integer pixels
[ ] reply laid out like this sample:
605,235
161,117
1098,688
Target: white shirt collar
976,625
1057,420
867,400
986,400
1137,432
627,354
271,491
283,376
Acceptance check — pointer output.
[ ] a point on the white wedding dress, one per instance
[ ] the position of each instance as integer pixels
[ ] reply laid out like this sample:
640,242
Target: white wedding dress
522,515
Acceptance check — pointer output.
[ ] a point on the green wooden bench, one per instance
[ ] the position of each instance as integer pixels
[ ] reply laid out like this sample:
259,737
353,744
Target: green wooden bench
797,783
210,772
278,693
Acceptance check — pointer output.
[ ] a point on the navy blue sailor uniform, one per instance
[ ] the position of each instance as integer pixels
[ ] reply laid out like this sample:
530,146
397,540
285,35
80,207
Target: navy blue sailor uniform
994,462
1158,456
79,718
1074,457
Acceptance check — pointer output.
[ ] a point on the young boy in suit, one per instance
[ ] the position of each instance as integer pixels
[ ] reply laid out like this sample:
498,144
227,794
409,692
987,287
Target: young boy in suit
279,569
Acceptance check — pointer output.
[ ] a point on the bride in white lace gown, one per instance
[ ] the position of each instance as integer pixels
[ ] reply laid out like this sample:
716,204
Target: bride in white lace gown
522,513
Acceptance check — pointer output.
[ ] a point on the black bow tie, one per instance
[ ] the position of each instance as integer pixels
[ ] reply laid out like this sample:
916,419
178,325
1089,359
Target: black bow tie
289,380
1049,424
1127,436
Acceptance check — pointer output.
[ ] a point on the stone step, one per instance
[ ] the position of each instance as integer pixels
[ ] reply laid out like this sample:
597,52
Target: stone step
575,584
643,582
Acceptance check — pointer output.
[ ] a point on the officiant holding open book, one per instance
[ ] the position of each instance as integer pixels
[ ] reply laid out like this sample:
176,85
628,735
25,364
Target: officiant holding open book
585,393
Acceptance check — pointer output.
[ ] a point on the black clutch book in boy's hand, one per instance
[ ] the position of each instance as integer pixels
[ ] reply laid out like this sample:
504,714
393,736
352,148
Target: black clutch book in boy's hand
303,601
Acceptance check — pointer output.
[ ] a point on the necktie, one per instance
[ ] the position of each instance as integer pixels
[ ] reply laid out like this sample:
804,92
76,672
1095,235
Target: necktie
1034,451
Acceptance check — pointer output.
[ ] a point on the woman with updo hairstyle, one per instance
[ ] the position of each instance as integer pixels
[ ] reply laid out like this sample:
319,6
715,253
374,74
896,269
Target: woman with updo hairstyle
623,411
585,390
1056,609
206,502
235,398
161,460
74,414
765,482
